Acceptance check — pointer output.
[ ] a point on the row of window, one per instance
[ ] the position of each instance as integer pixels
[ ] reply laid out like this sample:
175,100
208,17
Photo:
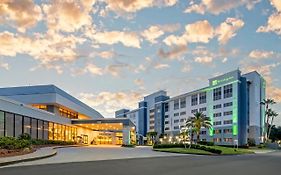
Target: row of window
227,92
202,98
217,140
13,125
225,122
219,114
179,114
225,131
220,105
179,103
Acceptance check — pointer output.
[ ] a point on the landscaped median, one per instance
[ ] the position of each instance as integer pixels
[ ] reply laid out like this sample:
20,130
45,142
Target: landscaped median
200,149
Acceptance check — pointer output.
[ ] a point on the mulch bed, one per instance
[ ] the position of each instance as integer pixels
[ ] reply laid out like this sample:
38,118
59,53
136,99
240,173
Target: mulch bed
16,152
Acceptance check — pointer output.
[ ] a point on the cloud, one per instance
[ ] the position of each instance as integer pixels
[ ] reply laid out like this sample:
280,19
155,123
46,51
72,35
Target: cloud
156,31
21,14
227,29
274,20
68,16
261,54
109,102
125,7
175,53
139,82
4,66
161,66
204,60
219,6
129,39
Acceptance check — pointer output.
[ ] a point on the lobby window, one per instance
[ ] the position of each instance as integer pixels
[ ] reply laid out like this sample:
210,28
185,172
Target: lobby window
2,123
34,128
227,104
194,111
40,129
227,113
227,91
9,125
18,125
45,130
227,122
203,109
176,104
217,94
183,102
217,123
27,125
217,106
217,114
194,100
202,97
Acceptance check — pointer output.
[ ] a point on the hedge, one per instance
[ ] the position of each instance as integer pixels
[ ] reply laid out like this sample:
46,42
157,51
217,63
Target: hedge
201,147
13,143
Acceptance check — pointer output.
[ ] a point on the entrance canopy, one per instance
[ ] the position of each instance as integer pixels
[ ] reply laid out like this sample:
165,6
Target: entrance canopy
105,124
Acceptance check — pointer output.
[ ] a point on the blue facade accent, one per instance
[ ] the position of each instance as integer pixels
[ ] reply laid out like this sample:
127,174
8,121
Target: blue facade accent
142,118
243,115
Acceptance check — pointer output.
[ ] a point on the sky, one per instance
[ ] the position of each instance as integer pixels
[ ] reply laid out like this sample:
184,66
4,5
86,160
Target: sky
110,53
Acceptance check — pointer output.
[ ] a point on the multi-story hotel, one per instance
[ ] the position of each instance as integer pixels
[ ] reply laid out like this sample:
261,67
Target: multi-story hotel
231,101
47,112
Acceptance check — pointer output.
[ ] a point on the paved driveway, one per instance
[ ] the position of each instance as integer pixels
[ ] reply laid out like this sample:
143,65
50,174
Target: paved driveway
93,153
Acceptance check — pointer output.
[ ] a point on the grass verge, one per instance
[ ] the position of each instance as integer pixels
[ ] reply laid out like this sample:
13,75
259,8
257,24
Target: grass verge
183,151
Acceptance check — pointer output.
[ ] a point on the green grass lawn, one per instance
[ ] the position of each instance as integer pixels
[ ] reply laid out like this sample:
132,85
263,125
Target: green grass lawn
183,151
225,150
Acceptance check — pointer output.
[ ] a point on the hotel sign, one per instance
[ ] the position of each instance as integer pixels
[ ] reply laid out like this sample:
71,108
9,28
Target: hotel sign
222,81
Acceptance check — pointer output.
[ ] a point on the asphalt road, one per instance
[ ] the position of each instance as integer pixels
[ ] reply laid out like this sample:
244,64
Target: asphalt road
262,164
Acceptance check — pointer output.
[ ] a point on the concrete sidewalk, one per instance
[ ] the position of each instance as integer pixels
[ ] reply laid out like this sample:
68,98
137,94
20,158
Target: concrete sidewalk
38,154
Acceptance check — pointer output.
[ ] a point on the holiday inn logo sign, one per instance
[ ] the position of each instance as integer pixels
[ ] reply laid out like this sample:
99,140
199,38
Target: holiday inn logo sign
222,81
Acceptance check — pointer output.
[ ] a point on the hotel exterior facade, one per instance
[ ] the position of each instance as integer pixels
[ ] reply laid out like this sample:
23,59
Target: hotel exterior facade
49,113
231,101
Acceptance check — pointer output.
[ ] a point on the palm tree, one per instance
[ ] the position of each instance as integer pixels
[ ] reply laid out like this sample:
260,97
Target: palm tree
198,121
267,103
272,114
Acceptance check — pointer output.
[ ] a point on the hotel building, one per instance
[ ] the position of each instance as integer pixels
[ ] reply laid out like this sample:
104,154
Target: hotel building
231,101
47,112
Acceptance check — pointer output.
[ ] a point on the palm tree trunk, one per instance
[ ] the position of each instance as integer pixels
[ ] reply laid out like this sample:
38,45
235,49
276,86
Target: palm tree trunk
266,124
271,124
198,137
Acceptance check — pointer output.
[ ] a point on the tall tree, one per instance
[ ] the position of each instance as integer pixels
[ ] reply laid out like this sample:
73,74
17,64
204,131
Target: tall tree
272,115
198,121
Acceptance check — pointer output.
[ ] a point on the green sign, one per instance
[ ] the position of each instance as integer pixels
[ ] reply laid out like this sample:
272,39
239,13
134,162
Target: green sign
216,82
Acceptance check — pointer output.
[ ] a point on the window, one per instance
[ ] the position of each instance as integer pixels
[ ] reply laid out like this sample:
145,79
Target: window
167,128
46,129
217,94
166,116
227,113
51,131
166,107
34,128
227,104
166,122
27,125
176,127
9,125
183,102
202,97
176,121
2,123
217,106
217,123
68,114
18,125
183,113
228,140
217,114
151,127
227,131
182,120
151,122
217,131
217,139
176,114
176,104
40,129
194,111
227,122
202,109
203,132
194,100
227,91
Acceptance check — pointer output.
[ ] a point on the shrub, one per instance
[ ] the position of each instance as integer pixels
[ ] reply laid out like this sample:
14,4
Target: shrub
24,136
206,143
51,142
129,145
13,143
251,142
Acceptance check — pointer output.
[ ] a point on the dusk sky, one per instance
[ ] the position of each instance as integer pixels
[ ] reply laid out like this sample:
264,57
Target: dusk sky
110,53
